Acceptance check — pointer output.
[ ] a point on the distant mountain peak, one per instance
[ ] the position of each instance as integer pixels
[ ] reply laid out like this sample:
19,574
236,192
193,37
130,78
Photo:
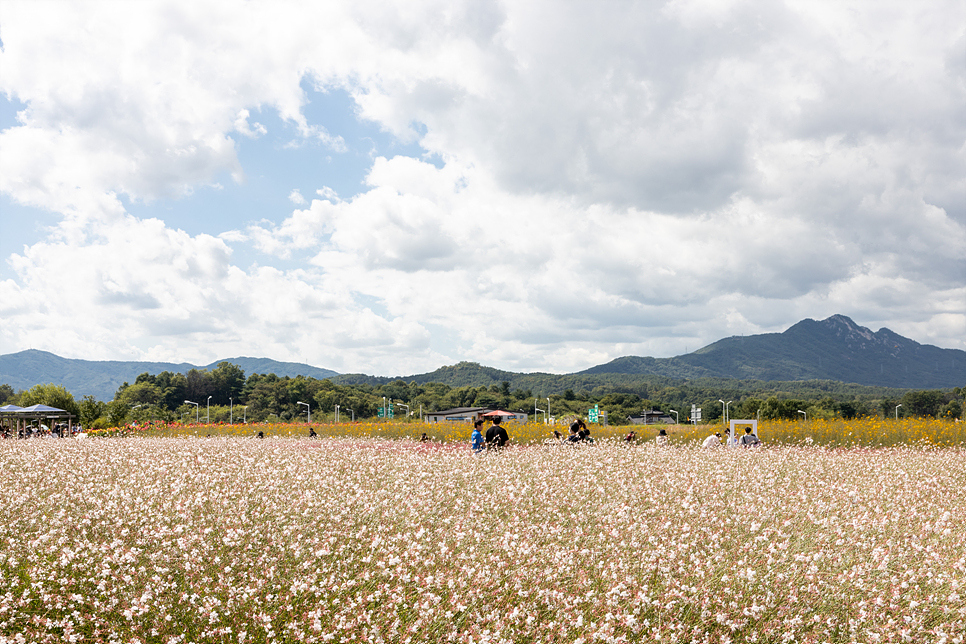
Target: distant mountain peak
835,348
846,328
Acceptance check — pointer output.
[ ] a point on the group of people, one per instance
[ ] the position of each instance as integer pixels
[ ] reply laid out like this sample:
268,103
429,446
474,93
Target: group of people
578,434
747,440
495,437
58,430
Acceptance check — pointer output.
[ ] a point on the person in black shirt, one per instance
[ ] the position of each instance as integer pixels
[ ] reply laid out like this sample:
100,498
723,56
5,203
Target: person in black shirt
578,431
496,436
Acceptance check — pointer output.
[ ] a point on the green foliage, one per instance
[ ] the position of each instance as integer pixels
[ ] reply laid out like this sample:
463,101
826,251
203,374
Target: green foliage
91,409
227,381
174,389
6,394
140,393
51,395
268,396
117,413
922,403
788,409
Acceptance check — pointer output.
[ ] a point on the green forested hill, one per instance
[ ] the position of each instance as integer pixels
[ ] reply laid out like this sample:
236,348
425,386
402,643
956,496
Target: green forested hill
471,374
809,358
832,349
101,378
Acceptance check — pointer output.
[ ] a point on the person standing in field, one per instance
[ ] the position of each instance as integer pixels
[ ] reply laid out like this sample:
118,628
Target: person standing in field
476,438
749,439
713,441
496,436
662,438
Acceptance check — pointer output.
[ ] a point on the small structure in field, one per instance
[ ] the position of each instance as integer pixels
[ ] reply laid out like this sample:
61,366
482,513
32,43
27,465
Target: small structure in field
650,417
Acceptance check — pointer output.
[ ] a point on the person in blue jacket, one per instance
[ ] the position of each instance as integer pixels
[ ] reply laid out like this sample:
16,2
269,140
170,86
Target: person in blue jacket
476,440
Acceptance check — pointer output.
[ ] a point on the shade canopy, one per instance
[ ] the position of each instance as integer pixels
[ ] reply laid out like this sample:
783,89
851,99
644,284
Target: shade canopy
10,408
498,412
41,409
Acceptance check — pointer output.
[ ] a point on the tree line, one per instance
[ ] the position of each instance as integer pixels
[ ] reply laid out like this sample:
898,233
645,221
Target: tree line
225,394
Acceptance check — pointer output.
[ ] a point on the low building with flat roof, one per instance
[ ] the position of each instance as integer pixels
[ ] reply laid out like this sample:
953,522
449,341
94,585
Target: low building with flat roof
651,417
456,414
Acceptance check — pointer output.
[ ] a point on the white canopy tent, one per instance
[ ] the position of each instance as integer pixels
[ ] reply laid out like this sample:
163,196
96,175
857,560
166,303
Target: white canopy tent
23,415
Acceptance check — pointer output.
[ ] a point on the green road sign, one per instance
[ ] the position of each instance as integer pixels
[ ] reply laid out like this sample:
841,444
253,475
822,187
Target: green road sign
593,415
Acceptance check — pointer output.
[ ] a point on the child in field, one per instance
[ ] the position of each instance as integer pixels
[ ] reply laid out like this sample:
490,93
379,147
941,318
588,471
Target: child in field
476,439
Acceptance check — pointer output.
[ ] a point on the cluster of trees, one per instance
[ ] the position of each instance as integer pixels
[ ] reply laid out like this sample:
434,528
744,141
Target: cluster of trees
224,394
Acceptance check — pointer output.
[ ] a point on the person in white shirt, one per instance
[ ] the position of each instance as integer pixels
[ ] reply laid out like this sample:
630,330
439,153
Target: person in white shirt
662,438
713,441
732,441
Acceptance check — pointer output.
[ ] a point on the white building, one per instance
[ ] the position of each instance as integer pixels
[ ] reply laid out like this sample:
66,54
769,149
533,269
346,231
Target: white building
457,414
470,414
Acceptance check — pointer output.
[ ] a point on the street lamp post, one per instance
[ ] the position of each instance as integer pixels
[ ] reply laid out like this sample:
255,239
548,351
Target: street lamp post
231,411
308,411
724,409
336,413
897,411
245,414
407,408
353,414
803,414
548,410
208,412
675,416
188,402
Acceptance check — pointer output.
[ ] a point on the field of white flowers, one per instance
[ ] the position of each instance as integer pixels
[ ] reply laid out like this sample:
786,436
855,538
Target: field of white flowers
346,540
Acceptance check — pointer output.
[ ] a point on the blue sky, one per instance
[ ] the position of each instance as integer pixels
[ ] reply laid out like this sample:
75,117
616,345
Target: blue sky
274,165
390,187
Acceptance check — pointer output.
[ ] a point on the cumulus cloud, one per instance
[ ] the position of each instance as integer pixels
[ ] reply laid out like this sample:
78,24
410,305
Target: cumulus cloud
614,180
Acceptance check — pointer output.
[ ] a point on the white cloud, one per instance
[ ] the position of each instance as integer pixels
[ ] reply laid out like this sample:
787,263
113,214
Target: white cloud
617,180
242,126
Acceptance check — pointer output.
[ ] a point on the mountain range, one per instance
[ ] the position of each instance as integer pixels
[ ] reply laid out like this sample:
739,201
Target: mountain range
101,379
834,349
